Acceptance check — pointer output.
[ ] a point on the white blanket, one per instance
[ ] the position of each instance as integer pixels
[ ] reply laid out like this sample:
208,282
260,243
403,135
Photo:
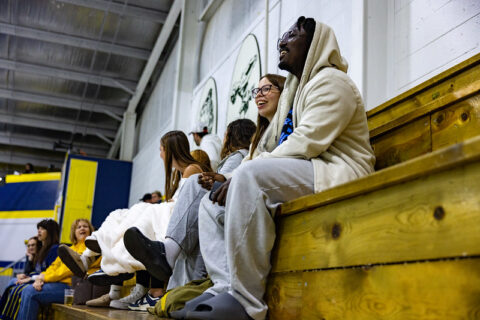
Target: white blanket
151,219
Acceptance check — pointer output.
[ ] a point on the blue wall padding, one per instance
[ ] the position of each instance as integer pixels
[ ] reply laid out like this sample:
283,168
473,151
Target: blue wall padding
19,265
112,189
37,195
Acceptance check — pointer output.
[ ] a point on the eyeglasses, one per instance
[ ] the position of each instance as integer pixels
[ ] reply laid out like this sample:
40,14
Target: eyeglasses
284,37
263,90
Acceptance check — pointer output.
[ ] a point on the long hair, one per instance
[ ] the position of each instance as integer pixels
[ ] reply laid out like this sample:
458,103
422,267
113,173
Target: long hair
38,245
238,136
176,146
262,122
74,226
202,157
53,231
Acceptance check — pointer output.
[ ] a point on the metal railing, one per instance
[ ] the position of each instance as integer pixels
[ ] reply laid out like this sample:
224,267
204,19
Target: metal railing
16,266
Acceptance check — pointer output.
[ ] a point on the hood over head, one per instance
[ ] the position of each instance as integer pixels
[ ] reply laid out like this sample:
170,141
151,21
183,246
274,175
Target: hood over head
324,52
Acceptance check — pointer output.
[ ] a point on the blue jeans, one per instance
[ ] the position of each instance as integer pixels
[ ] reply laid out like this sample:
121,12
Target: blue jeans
32,299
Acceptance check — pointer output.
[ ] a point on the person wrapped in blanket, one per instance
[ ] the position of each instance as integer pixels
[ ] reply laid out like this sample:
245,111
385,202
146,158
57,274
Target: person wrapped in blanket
48,235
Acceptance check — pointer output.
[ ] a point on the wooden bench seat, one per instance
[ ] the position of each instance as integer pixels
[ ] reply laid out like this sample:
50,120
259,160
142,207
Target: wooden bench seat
64,312
404,242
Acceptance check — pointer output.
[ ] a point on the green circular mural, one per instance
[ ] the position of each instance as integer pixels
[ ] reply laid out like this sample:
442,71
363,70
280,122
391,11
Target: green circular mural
246,75
207,110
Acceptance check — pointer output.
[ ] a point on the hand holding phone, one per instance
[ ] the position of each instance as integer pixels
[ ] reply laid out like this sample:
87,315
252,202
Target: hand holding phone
215,187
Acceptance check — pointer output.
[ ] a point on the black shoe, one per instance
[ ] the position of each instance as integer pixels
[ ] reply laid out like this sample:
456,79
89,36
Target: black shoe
100,278
150,253
93,245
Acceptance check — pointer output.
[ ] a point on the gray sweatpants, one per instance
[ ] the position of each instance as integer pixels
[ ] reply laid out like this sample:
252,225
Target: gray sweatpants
183,229
236,241
183,225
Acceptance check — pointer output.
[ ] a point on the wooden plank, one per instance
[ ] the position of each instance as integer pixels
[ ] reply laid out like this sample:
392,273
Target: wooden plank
430,290
63,312
456,123
432,217
284,295
426,102
445,75
88,313
404,143
435,161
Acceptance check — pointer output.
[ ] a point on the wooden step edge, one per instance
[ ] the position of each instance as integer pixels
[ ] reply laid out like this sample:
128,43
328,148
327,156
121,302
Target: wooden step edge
92,313
368,266
435,105
444,76
442,159
78,311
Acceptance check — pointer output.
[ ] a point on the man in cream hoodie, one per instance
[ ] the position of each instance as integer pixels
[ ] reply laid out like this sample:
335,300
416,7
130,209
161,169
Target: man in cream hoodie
318,139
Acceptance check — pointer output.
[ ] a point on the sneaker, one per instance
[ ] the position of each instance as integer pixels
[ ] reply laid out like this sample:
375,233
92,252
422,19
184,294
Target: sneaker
150,253
72,260
136,293
145,302
103,301
100,278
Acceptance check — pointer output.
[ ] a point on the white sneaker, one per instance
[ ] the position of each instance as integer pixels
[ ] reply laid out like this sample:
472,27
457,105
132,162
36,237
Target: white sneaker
137,292
144,303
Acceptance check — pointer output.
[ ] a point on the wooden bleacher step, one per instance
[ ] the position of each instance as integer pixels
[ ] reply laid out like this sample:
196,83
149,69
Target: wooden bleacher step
404,242
64,312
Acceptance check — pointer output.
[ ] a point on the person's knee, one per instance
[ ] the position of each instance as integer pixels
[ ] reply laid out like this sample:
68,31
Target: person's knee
28,292
247,174
205,207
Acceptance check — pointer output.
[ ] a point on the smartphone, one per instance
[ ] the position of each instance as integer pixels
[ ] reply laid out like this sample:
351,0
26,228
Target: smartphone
215,187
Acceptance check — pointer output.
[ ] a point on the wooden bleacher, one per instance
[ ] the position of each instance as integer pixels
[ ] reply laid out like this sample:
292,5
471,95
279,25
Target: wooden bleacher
63,312
402,243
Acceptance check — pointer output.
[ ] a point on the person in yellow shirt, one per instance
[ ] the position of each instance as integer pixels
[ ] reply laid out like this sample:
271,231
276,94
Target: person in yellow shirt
49,285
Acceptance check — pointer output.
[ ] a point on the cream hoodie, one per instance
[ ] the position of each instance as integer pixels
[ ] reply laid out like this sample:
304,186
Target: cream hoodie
329,120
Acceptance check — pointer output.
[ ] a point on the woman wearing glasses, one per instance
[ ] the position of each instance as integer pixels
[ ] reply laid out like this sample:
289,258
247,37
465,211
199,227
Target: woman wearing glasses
266,97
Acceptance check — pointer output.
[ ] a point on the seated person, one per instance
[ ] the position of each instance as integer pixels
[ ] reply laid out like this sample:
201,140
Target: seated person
147,198
33,247
49,285
318,139
208,142
181,241
157,195
117,264
48,235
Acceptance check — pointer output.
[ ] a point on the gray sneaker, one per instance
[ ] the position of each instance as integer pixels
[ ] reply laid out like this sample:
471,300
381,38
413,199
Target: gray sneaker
137,292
